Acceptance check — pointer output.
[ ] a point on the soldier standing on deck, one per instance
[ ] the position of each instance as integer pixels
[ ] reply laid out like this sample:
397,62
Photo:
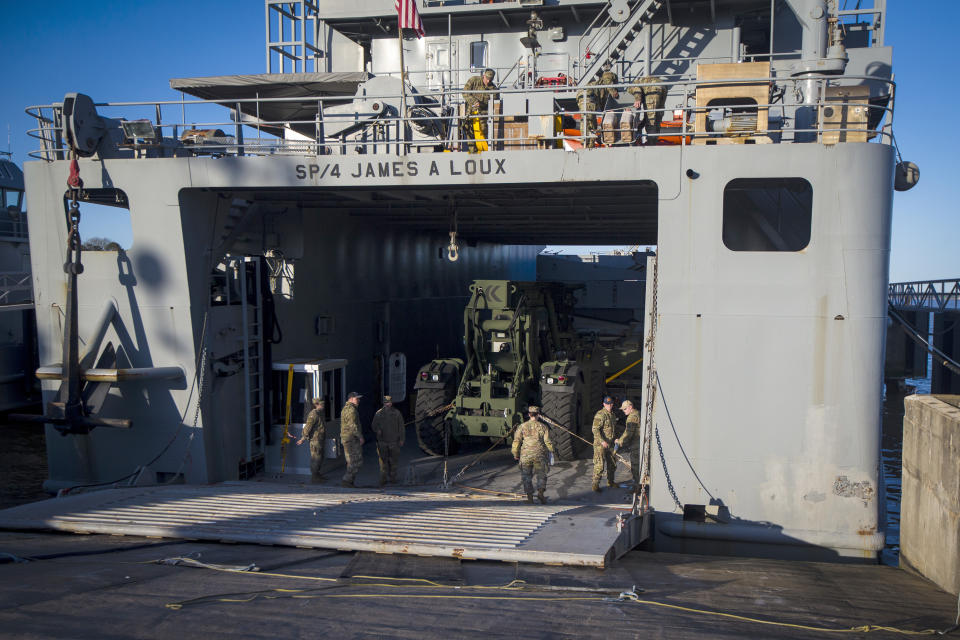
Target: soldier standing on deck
351,436
630,439
389,428
530,445
477,105
315,431
591,100
607,102
604,432
648,100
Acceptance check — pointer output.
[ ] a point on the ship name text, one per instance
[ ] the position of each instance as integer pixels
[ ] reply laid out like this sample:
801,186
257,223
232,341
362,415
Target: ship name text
403,169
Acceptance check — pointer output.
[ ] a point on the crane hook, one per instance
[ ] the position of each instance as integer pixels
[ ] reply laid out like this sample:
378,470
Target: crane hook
453,251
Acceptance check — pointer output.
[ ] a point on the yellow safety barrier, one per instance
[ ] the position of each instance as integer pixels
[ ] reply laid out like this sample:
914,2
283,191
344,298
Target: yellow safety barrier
479,141
624,370
286,422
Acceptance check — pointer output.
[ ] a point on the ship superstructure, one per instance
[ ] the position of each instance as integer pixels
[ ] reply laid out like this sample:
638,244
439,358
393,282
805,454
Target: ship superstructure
17,328
332,211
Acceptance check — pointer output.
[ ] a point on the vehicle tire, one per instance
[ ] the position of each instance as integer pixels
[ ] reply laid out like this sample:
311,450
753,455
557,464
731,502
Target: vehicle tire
430,427
563,408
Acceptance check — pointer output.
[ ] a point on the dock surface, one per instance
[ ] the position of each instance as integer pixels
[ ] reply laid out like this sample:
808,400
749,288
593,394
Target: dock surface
104,587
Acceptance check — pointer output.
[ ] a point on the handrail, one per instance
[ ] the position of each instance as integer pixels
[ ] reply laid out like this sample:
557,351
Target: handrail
381,130
580,50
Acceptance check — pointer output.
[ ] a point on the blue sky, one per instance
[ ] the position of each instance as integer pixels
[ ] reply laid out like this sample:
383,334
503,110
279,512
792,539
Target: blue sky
127,51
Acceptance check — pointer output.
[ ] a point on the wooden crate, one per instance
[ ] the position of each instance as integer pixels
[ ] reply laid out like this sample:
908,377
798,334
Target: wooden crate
845,108
727,81
516,136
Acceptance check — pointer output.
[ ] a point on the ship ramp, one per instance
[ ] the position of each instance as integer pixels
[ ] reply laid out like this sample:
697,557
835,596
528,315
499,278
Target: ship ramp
408,522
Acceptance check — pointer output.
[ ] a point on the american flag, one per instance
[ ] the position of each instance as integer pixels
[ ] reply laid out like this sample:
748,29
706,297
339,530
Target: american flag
408,15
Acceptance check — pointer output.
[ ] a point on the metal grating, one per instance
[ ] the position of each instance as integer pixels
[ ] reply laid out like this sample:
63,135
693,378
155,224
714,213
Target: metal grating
437,524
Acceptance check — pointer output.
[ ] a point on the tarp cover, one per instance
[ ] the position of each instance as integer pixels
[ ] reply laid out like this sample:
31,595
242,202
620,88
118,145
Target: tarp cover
271,85
225,89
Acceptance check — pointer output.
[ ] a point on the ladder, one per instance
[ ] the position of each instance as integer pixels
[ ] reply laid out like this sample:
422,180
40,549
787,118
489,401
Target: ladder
253,384
617,42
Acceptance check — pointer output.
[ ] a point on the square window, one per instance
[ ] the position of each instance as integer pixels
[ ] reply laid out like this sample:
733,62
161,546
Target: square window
767,214
478,55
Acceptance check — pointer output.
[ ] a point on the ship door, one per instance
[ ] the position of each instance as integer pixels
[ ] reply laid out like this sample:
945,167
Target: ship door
441,59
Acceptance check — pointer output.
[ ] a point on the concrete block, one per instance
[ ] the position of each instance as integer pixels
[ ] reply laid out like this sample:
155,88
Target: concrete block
930,499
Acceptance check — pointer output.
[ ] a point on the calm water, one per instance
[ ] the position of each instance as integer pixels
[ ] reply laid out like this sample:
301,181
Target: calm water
892,455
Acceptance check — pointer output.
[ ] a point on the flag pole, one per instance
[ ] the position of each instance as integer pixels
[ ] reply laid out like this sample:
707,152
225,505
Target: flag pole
403,93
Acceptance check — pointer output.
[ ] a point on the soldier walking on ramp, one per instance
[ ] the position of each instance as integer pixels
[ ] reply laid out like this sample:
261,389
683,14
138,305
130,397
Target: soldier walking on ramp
530,445
630,440
389,429
315,431
604,432
351,435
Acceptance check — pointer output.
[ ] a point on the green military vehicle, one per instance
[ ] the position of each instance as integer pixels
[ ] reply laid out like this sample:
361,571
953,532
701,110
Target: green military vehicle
521,350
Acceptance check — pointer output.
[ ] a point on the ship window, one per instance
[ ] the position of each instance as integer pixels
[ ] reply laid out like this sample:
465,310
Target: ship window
478,55
11,198
767,214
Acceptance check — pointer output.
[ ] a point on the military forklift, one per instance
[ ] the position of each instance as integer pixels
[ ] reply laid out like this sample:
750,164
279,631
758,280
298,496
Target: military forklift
521,350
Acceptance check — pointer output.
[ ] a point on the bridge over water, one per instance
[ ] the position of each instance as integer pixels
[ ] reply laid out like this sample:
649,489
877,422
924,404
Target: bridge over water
924,328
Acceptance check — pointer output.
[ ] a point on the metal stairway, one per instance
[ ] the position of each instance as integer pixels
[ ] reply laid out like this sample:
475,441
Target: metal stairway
641,13
252,323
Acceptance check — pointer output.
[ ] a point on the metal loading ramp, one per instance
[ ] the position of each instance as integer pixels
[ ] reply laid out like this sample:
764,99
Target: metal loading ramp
420,523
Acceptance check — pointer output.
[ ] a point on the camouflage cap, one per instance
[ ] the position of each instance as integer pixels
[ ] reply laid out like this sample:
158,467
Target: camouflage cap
387,400
489,73
533,409
626,405
318,400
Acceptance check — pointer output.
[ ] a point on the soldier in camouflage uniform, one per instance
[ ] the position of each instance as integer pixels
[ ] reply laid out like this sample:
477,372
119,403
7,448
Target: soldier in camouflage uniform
648,99
477,105
531,442
315,431
389,429
630,439
592,99
604,433
351,436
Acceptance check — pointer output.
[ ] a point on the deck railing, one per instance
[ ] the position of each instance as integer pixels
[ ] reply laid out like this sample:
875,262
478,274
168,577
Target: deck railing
432,122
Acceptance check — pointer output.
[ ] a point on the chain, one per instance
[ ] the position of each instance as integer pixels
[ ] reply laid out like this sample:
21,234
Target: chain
75,185
666,474
554,423
201,384
477,459
648,428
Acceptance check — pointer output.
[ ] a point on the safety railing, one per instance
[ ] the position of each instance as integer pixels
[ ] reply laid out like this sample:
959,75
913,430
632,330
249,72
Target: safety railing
437,122
925,295
14,229
15,287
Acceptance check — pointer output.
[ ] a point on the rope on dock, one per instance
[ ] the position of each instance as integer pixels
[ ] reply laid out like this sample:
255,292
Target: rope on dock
628,596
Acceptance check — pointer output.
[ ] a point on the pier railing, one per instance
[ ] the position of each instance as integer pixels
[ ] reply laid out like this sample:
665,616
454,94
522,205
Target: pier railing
925,295
436,121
